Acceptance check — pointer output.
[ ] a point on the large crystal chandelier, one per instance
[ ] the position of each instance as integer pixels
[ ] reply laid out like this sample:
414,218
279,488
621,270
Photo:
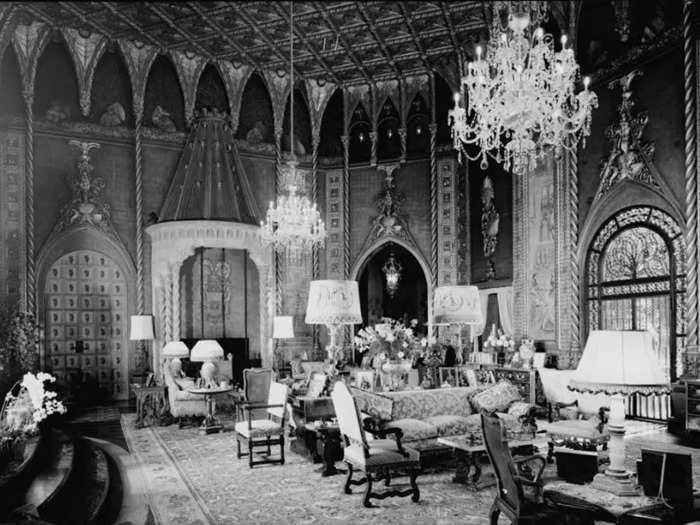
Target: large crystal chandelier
521,98
293,225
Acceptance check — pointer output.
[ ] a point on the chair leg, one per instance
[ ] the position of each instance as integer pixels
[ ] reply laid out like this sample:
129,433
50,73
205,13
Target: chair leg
268,446
550,451
282,448
368,492
348,480
493,514
250,452
238,447
412,480
387,478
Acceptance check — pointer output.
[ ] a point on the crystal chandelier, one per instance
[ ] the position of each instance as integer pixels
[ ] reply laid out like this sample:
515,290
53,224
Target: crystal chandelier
522,101
392,270
293,225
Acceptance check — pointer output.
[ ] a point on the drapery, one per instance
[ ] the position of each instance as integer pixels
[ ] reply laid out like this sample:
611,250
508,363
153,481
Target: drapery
504,296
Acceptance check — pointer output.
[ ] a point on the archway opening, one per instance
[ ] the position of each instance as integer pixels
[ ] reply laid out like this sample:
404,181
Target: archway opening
409,300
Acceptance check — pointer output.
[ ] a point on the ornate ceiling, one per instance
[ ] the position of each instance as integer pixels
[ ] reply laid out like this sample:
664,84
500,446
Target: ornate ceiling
342,42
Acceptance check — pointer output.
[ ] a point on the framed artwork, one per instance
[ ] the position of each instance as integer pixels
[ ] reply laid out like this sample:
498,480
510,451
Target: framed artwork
364,379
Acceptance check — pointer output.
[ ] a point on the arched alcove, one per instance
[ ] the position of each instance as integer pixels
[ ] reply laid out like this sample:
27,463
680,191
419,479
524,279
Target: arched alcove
443,103
211,91
56,85
256,121
11,102
388,141
417,130
163,89
360,143
110,85
332,127
302,125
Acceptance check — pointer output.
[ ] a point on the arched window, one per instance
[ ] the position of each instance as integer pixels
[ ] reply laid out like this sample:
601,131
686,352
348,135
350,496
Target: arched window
635,279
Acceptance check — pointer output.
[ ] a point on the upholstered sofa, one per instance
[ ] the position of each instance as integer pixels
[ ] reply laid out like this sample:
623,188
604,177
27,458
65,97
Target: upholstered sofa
424,415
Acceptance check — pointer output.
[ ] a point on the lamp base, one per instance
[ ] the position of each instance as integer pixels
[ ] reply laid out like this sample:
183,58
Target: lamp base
618,483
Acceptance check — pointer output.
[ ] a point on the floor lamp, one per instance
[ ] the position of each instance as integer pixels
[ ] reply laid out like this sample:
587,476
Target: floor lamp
459,306
282,328
618,363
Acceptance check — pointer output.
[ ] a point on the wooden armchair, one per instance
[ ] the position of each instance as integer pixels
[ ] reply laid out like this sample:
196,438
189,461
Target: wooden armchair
378,459
263,431
256,387
513,477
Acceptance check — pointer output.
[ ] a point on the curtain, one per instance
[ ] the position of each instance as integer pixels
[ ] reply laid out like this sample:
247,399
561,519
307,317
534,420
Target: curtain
504,297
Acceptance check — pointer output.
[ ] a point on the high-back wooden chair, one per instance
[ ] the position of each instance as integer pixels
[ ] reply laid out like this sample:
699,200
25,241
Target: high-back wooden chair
256,387
378,459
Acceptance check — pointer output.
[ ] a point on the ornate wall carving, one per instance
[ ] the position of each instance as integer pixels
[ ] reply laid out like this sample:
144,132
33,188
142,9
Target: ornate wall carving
86,52
335,224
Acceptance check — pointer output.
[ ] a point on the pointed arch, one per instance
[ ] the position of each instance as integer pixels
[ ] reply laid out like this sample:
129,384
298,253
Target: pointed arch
256,112
57,86
388,124
302,124
211,90
331,127
359,130
111,84
10,84
417,126
163,89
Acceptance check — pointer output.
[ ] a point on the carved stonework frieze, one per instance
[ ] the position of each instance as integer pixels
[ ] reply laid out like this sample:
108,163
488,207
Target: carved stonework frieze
29,41
139,57
630,157
86,52
234,79
189,68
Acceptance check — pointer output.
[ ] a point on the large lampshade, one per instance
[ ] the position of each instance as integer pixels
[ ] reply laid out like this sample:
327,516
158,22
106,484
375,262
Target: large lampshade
458,305
206,350
333,303
283,327
141,328
175,349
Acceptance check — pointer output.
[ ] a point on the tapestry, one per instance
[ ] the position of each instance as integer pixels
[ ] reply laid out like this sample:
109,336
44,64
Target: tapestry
541,265
12,253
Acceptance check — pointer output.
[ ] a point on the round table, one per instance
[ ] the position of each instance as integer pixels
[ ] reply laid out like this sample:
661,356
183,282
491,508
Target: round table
210,423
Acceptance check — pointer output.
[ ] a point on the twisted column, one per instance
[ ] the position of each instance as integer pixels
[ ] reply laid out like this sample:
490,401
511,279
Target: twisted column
345,139
138,161
402,136
691,186
373,135
29,199
433,204
315,198
574,275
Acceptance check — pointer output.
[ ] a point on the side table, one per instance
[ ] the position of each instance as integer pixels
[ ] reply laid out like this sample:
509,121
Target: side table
210,423
151,406
327,446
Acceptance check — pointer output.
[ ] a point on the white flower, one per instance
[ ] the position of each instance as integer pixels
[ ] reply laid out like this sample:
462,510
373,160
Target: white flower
400,355
404,344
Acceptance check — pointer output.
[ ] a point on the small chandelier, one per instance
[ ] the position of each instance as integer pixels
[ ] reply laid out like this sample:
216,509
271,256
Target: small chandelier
293,225
392,270
522,102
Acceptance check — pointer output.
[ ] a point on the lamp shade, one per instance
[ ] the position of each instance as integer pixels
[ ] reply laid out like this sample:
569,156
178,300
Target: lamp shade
283,327
206,350
175,349
457,305
141,328
333,302
619,362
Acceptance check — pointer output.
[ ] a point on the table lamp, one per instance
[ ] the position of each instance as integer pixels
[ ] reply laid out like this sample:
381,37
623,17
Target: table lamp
174,350
333,303
459,306
141,329
618,363
207,351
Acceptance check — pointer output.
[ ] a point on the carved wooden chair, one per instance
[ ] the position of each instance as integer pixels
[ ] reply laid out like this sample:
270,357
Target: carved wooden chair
256,387
263,431
513,476
378,459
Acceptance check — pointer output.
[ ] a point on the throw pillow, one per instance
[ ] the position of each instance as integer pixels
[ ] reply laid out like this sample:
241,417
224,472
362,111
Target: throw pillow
496,398
184,382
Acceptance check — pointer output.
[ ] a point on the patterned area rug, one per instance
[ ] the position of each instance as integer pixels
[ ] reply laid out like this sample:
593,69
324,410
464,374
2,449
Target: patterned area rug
197,480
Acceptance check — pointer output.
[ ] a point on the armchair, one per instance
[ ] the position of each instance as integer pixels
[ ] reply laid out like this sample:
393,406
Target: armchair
263,431
182,402
513,477
591,429
378,459
256,386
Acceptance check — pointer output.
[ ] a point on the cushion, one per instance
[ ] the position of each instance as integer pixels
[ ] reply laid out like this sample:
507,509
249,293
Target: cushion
510,423
496,398
381,452
183,395
519,409
372,403
421,404
260,428
415,429
449,425
184,382
576,428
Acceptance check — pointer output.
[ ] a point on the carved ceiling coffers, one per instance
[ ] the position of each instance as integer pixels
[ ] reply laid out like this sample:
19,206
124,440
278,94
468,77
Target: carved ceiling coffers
357,95
279,88
387,89
139,58
234,79
189,68
318,94
86,52
29,42
412,86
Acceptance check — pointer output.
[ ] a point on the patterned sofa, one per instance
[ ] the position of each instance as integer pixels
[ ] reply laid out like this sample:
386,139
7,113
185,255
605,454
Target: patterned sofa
425,415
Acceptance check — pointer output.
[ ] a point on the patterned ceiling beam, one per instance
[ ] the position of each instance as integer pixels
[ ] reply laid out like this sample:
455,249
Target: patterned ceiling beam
318,94
447,18
86,20
118,12
240,11
279,89
29,42
308,46
189,68
221,33
341,37
235,79
176,27
377,37
86,53
139,58
159,26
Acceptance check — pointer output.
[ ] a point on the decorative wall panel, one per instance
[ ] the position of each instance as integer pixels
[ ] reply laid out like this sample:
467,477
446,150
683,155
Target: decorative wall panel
335,224
447,222
12,197
86,322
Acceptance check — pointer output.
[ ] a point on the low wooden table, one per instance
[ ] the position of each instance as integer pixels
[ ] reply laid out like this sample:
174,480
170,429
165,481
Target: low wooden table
151,406
210,423
469,450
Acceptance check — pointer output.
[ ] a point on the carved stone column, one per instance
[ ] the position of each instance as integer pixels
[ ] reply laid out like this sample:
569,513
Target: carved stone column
373,136
346,208
30,293
403,132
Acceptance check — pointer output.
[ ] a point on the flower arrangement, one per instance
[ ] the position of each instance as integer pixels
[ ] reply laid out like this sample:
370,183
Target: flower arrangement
499,342
390,340
433,352
32,404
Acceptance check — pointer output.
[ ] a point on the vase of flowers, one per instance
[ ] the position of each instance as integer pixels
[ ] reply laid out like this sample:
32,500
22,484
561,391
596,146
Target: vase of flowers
390,347
499,343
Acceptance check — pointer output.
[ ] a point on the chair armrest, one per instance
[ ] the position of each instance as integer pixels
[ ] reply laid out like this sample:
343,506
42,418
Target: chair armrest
534,458
381,429
398,434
